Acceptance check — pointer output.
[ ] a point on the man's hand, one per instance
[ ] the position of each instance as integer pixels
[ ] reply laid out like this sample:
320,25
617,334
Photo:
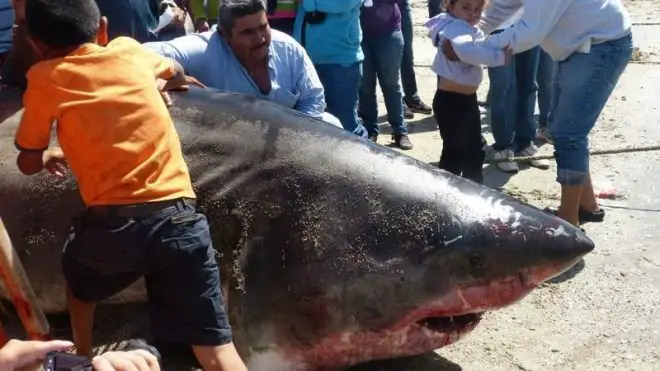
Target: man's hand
134,360
182,84
508,54
448,51
54,161
179,18
28,355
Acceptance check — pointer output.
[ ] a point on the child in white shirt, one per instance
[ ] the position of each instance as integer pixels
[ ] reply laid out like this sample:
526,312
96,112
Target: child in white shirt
455,103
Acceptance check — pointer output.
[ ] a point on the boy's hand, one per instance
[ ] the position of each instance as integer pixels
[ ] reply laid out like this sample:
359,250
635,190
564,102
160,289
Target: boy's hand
176,84
55,162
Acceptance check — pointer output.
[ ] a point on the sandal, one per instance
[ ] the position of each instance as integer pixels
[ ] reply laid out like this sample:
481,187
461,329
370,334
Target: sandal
584,215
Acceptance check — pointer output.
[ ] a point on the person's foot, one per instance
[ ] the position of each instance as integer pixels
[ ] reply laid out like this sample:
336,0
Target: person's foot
506,166
402,141
544,134
417,106
584,216
373,137
407,112
532,150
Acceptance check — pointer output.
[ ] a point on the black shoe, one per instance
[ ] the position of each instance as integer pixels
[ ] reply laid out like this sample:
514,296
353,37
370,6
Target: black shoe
402,141
373,137
407,113
418,106
584,216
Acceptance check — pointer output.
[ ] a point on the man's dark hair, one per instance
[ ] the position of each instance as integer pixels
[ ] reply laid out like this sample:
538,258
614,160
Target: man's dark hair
62,24
230,10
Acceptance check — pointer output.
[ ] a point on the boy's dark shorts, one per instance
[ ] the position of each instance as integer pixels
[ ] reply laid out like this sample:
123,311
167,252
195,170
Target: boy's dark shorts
168,243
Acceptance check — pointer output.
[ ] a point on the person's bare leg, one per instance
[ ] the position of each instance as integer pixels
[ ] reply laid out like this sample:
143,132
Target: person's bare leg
570,204
588,201
219,358
82,323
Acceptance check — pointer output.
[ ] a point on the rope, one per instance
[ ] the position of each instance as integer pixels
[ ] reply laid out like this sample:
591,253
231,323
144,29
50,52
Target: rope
592,153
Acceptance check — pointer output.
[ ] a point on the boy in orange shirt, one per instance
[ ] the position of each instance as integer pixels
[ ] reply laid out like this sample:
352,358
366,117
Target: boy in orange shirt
121,145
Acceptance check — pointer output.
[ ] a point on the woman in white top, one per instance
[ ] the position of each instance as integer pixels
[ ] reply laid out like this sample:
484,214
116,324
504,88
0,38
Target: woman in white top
592,42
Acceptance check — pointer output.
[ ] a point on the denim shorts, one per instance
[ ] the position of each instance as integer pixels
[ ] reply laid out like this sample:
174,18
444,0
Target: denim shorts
171,247
585,82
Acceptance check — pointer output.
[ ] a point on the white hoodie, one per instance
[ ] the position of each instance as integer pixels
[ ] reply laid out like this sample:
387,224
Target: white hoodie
469,45
561,27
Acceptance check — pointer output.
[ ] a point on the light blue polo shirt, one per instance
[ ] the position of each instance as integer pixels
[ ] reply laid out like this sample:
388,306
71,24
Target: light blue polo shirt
6,25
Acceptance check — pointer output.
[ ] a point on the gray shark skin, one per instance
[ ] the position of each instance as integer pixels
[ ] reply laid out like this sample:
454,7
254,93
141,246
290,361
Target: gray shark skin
335,250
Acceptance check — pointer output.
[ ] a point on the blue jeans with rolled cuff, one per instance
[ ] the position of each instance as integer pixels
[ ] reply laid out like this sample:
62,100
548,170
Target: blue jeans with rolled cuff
585,82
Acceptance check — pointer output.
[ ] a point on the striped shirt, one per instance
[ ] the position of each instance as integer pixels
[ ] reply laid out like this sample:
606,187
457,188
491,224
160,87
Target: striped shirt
6,25
284,9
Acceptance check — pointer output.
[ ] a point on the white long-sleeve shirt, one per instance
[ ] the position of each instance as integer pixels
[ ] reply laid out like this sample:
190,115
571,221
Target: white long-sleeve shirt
469,45
561,27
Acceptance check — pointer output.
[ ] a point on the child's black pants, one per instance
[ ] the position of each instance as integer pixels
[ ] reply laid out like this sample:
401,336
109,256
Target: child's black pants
459,122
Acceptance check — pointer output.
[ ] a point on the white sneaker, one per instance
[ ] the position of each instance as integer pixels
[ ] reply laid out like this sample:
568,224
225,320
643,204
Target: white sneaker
532,150
506,166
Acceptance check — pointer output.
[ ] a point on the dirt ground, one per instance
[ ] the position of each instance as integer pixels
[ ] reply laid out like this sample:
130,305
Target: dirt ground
603,314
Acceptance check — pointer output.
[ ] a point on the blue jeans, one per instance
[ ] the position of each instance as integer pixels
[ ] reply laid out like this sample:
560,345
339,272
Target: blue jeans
408,78
382,61
341,84
512,101
545,77
435,7
585,82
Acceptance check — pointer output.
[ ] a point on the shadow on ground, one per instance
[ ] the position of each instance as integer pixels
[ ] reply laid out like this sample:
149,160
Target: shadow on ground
117,323
569,274
426,362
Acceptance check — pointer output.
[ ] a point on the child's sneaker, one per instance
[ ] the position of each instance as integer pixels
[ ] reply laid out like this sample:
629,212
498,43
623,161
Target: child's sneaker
506,166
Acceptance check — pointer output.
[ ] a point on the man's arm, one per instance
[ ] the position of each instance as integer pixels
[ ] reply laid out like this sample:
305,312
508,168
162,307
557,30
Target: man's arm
33,133
471,51
538,19
312,98
188,50
497,13
331,6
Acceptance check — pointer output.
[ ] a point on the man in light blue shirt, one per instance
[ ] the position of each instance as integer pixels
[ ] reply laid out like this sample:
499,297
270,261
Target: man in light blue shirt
6,25
244,56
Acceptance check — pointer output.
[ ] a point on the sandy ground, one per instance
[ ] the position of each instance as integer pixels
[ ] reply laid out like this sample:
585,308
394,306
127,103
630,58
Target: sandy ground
603,314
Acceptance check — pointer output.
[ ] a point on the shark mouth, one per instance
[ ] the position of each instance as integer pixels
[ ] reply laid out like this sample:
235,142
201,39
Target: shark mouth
452,324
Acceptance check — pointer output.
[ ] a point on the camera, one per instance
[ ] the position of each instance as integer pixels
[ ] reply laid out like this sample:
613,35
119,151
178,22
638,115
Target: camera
61,361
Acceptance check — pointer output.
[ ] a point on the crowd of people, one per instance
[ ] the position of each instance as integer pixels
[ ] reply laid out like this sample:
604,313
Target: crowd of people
323,58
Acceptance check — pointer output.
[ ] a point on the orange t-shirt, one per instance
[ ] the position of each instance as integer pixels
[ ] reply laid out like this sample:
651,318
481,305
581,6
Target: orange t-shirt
112,124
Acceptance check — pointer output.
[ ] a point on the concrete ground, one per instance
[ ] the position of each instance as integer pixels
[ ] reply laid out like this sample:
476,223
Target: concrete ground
604,313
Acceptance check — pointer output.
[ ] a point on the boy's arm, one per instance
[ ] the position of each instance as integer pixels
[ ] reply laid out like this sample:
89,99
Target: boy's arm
498,12
33,134
472,51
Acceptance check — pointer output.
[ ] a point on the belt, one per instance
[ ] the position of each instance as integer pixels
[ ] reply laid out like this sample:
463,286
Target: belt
141,209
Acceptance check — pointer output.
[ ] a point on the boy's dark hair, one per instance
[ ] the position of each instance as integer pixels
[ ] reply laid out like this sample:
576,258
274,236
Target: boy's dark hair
62,24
